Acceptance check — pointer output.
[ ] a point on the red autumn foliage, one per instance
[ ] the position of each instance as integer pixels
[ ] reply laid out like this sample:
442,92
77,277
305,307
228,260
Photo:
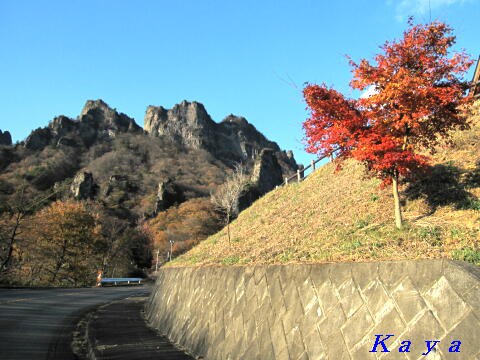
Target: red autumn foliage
418,93
417,97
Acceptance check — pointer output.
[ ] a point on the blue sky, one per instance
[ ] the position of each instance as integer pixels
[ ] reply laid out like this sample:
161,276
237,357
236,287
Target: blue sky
246,57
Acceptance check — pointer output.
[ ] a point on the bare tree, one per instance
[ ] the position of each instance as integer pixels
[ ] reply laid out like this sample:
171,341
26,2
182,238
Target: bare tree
225,199
114,243
12,217
10,222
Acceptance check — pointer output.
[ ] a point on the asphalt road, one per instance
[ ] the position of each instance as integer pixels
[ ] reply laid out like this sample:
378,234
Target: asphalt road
38,323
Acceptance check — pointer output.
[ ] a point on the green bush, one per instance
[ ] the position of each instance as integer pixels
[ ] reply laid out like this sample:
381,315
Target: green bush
231,260
468,254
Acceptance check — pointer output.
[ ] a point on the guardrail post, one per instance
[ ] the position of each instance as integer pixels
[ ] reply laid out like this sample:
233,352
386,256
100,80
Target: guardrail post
286,180
299,178
313,165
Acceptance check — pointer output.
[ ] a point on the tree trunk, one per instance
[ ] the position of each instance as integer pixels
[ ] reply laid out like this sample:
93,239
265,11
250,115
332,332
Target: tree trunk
59,262
228,232
398,210
228,227
11,241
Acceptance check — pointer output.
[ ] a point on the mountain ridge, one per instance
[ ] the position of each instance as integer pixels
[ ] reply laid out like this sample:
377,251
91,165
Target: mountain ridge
233,138
146,181
155,188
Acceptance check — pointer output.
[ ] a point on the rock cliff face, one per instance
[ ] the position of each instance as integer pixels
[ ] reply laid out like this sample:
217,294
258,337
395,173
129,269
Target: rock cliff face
238,139
98,115
266,172
168,194
38,139
83,186
5,138
187,123
97,121
232,140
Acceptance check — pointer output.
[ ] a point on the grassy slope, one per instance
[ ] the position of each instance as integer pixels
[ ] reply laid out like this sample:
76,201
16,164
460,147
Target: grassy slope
345,216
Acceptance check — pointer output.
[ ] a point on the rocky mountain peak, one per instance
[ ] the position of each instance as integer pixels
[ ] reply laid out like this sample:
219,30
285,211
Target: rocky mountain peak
61,125
233,140
187,123
5,138
192,111
97,105
96,121
106,118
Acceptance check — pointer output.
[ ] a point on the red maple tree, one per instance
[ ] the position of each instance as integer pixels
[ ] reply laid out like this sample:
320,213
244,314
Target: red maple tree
417,96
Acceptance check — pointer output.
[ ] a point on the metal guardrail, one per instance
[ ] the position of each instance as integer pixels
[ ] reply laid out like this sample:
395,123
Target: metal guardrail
121,281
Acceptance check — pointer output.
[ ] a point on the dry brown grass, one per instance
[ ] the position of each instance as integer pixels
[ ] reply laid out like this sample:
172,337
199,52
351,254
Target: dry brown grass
345,216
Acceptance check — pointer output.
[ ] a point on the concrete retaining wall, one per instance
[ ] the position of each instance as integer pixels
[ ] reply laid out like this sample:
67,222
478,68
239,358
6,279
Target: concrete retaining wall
324,311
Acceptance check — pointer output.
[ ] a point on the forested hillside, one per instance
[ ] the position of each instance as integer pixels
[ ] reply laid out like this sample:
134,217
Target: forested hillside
100,192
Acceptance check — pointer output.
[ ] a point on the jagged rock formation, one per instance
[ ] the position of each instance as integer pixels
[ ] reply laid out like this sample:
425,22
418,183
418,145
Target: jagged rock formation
5,138
98,115
237,138
186,123
287,162
232,140
97,121
83,186
168,194
266,174
38,139
61,126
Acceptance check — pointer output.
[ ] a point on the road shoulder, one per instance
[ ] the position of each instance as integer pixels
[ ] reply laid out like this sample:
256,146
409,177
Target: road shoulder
118,331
